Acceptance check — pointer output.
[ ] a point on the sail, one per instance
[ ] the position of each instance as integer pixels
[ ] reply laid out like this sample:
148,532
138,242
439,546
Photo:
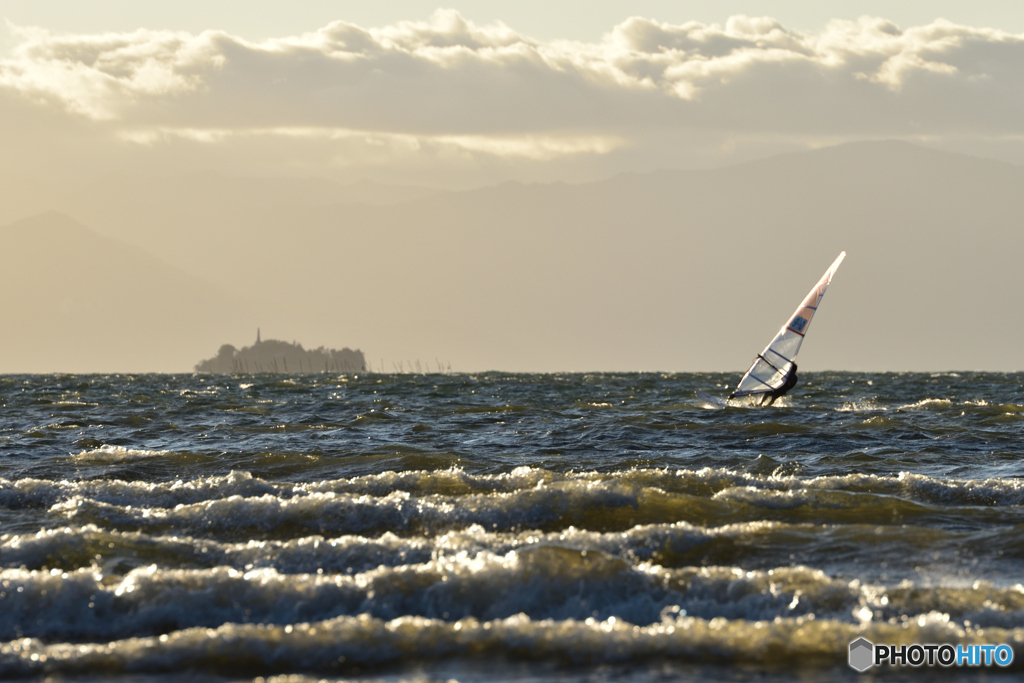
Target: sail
771,366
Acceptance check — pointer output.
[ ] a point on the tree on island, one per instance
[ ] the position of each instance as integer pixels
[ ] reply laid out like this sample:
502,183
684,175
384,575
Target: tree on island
272,355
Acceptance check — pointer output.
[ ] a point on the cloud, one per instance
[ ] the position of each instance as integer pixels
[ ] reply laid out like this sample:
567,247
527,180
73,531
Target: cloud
101,77
486,89
536,147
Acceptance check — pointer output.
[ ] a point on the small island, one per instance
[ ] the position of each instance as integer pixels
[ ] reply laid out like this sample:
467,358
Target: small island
272,355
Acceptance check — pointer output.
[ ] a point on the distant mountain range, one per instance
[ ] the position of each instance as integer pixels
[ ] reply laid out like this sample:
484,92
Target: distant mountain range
73,300
670,270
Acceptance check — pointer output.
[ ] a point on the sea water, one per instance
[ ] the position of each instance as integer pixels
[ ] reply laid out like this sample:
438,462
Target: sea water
503,526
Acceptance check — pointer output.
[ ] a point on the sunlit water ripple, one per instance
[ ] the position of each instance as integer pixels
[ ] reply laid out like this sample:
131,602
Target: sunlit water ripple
502,527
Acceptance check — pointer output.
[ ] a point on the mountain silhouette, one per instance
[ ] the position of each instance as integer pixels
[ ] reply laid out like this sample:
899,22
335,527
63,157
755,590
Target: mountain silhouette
667,270
683,269
74,300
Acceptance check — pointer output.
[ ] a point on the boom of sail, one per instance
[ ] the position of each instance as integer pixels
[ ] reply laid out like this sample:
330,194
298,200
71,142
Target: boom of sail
771,366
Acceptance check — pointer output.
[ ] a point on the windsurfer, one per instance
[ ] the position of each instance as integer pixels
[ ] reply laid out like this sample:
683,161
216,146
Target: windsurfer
787,384
773,372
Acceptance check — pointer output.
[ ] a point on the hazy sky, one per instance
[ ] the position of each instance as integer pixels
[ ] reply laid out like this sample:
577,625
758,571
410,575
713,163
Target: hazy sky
133,117
544,20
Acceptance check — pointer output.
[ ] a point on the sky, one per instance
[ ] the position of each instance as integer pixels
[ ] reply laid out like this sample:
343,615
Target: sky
589,20
404,92
475,94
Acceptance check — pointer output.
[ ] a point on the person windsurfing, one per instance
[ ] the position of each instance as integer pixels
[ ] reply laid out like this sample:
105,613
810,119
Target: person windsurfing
773,372
787,384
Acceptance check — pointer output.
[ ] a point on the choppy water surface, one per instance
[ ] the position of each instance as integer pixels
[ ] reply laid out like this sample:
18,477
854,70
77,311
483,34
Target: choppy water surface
517,527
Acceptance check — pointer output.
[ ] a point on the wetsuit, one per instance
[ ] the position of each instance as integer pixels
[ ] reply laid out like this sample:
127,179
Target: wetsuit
787,384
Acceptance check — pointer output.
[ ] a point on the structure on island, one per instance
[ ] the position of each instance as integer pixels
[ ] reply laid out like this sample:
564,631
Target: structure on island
272,355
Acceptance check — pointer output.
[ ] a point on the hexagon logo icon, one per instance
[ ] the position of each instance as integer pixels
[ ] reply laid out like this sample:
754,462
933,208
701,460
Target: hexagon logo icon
862,654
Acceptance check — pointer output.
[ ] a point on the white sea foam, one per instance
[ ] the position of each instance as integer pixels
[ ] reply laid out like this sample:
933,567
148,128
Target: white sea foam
108,453
330,512
787,499
927,404
69,548
37,492
526,497
861,407
362,640
545,583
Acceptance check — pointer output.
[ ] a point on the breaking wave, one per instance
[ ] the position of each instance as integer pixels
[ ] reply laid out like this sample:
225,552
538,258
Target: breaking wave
343,642
351,527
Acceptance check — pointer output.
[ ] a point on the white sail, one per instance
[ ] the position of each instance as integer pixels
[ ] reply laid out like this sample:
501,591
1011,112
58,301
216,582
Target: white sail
770,367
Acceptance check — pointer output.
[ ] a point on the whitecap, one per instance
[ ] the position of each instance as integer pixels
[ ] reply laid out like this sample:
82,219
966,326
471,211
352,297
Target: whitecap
109,453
